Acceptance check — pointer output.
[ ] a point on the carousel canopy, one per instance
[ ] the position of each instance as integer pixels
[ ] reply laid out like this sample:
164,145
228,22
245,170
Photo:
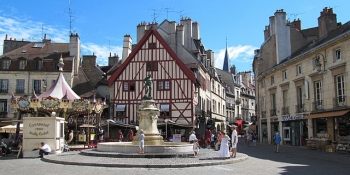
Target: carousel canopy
59,89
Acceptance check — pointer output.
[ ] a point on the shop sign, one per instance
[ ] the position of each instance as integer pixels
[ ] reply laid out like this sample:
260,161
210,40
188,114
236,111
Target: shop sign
288,118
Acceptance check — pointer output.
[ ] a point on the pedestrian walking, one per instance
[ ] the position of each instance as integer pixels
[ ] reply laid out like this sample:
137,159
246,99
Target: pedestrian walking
120,135
277,140
249,138
255,137
218,141
195,147
141,142
192,137
234,140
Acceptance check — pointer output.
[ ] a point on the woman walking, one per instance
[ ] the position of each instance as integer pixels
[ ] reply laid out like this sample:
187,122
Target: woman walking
142,142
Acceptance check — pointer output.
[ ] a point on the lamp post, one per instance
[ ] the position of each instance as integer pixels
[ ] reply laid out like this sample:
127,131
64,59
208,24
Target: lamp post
109,120
166,126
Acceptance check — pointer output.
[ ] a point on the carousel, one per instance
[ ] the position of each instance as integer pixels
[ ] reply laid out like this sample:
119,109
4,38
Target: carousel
44,117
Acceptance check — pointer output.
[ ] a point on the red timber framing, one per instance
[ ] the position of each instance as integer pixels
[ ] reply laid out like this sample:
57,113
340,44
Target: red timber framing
153,55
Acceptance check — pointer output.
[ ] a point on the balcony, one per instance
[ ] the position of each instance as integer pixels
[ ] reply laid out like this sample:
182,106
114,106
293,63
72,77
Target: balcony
263,114
299,108
339,102
4,91
273,112
19,91
317,105
238,100
246,106
285,110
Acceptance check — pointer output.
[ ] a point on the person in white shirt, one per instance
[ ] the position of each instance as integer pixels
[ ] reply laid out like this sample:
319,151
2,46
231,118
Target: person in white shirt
44,149
192,137
234,140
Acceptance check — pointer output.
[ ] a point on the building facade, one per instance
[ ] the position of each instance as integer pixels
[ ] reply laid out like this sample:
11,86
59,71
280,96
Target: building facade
301,79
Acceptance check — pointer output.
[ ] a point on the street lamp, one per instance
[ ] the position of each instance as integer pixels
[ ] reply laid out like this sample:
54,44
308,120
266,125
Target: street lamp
166,126
109,120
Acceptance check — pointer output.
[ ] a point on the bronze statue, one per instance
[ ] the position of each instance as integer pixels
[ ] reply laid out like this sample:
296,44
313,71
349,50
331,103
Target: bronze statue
148,82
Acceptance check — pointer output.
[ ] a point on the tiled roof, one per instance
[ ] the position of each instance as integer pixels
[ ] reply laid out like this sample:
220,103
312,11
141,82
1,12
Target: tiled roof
82,86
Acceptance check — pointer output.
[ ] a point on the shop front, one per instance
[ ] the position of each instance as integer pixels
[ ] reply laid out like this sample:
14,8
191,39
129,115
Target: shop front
295,131
330,127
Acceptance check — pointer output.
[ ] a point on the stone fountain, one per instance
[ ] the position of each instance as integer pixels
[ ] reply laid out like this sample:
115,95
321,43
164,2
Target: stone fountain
154,144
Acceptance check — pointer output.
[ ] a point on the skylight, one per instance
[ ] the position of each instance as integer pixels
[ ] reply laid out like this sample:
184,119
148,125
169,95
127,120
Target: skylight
38,45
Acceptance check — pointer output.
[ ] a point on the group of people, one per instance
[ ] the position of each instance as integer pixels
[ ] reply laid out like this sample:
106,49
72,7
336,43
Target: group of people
223,140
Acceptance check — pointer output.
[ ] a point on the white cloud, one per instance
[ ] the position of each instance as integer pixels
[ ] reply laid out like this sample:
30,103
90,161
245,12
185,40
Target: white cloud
23,28
102,52
240,56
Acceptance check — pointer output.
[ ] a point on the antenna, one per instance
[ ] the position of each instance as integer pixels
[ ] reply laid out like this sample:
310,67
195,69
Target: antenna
168,10
295,15
155,15
42,31
71,19
181,14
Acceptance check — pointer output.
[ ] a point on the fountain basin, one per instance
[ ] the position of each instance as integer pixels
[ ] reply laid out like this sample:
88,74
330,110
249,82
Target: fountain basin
128,147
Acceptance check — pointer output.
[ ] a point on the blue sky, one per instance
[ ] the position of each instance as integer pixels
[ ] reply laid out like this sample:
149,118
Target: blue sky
102,24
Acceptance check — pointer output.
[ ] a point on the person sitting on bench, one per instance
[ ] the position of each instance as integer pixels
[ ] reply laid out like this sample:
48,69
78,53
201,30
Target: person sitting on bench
44,149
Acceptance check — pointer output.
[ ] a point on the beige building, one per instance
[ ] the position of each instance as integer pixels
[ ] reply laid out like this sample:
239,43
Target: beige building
302,81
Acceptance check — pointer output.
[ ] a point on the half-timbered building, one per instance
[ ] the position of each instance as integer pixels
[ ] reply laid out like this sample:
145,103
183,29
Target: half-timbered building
181,69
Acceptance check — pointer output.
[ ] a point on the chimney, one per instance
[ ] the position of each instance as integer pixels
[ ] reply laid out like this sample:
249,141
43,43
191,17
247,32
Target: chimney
195,30
296,24
46,40
172,35
127,47
233,69
6,37
187,23
326,22
266,32
282,33
141,30
74,50
179,37
210,57
112,60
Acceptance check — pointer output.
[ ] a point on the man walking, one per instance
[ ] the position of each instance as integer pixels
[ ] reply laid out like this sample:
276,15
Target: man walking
277,140
234,140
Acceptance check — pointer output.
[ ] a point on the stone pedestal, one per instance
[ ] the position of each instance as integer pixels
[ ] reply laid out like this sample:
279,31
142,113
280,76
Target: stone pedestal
148,122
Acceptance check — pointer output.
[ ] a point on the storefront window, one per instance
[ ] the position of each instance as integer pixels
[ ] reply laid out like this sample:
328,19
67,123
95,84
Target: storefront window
343,126
321,125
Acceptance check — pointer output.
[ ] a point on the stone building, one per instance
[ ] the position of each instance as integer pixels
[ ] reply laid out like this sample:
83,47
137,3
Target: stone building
301,79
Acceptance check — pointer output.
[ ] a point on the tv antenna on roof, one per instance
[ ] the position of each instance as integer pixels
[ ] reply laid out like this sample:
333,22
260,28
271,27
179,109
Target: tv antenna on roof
295,15
168,10
181,14
155,15
71,17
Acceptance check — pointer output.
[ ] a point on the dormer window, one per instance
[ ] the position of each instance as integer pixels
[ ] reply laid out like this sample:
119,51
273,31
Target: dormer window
6,64
24,51
22,64
38,64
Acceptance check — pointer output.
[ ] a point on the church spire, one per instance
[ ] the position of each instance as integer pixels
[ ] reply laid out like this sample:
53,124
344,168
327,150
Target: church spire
226,65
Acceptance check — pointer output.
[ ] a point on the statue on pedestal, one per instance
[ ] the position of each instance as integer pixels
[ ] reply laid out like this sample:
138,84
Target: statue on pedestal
149,83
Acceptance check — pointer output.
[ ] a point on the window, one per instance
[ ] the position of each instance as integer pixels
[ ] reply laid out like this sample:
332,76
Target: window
125,86
263,83
6,64
340,89
37,86
152,45
3,105
318,93
22,64
214,106
164,110
273,104
55,65
152,66
284,75
121,110
38,64
218,89
20,86
128,86
337,55
285,97
272,80
263,101
219,109
299,99
4,86
299,69
163,85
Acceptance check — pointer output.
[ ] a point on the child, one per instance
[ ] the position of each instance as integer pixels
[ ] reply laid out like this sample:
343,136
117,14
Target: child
195,147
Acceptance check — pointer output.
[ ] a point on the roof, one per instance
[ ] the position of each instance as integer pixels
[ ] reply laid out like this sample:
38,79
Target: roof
149,33
59,89
82,86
